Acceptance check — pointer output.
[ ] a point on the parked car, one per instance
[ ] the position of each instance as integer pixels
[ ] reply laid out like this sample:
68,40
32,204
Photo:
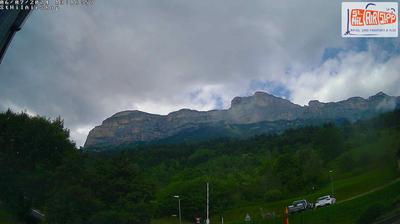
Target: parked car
299,206
325,200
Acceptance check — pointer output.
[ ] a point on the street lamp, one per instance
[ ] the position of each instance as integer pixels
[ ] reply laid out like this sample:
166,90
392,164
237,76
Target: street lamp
179,208
208,204
332,189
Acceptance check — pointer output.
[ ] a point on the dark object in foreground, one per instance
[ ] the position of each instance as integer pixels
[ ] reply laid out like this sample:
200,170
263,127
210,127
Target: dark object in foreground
11,21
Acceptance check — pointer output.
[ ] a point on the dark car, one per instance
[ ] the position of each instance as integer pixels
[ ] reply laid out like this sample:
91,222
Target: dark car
299,206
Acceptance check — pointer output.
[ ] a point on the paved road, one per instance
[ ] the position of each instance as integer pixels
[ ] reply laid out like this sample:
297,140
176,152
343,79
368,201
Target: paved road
395,219
369,192
391,220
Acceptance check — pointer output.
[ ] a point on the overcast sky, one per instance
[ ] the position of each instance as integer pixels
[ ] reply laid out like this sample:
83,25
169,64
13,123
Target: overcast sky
87,63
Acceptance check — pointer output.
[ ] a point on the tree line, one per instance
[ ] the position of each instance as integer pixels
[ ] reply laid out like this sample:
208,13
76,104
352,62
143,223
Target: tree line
40,168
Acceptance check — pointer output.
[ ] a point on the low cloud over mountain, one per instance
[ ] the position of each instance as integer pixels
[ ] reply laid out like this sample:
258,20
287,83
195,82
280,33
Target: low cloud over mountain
256,114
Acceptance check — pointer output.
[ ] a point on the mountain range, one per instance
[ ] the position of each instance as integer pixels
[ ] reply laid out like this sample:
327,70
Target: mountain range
261,113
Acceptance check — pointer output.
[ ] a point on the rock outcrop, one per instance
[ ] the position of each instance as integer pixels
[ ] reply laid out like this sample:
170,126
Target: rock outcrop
245,112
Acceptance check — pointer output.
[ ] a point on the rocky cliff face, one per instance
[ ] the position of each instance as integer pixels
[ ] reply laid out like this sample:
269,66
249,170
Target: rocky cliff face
262,107
136,126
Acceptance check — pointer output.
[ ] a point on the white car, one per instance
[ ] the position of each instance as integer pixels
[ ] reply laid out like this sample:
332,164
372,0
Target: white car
325,200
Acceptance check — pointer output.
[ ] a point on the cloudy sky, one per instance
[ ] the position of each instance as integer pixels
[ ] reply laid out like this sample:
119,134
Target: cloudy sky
85,63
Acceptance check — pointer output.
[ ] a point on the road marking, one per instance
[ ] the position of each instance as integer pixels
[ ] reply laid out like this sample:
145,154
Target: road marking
370,191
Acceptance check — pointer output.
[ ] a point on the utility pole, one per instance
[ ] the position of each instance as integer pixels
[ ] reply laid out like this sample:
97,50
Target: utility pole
332,188
208,204
332,191
179,208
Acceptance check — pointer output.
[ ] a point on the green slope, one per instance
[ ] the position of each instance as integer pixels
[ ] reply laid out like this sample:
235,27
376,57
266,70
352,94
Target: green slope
354,196
259,175
5,217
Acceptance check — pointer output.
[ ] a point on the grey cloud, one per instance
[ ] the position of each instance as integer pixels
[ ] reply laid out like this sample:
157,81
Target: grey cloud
87,63
387,105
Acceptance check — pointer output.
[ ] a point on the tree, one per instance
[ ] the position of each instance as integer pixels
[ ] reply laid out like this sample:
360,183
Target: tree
30,149
329,141
288,170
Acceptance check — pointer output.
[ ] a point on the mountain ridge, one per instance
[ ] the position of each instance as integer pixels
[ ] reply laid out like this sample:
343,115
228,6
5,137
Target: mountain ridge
137,126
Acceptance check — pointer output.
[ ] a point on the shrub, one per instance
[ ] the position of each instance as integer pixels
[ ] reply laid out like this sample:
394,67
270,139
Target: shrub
371,214
273,195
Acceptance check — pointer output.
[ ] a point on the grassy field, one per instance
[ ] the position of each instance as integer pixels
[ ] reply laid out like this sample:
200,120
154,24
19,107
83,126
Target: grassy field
354,194
346,212
349,211
353,191
5,217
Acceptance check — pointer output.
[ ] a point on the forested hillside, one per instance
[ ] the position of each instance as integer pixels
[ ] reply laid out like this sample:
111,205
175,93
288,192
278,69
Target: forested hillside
267,168
41,169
